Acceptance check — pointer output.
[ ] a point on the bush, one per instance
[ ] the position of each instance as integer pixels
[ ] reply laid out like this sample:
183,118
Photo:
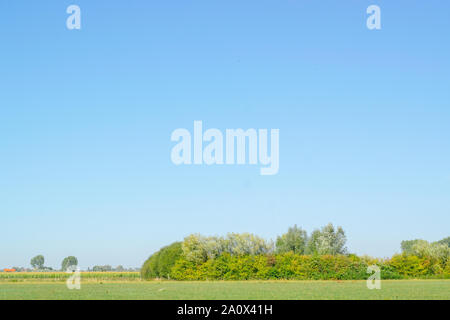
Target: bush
287,266
160,264
411,266
290,266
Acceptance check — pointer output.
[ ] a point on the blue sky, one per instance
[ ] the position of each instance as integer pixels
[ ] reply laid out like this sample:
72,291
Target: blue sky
86,118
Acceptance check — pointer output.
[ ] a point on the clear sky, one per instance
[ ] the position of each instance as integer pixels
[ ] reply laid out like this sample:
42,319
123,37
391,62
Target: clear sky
86,118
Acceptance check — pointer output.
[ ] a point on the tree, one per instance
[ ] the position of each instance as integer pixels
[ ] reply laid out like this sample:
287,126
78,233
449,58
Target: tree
38,262
70,261
160,264
436,252
120,268
294,240
105,268
327,241
445,241
195,248
198,249
407,246
246,244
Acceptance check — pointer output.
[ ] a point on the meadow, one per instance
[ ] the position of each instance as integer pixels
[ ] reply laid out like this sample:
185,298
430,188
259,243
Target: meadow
113,286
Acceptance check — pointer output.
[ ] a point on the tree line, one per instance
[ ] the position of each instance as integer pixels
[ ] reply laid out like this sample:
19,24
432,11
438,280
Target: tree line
38,265
294,255
327,240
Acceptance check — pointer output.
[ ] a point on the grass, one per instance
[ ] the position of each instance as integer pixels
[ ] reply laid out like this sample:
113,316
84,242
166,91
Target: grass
239,290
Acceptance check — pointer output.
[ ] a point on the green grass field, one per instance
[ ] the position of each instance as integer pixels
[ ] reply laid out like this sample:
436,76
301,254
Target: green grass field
290,290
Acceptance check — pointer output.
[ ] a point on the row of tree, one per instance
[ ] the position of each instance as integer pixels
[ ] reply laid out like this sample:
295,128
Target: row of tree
325,241
438,251
294,255
198,249
38,264
108,268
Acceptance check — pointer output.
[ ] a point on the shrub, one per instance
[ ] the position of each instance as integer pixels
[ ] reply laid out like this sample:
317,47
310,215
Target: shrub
267,267
160,264
290,266
410,266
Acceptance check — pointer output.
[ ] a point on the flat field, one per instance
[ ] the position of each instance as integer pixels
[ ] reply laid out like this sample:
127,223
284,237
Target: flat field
239,290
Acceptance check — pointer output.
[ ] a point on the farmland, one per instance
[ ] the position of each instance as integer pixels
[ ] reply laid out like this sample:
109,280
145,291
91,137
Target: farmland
62,276
96,286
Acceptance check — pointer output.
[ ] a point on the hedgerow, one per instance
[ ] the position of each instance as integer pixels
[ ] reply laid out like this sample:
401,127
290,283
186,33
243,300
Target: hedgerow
321,256
287,266
290,266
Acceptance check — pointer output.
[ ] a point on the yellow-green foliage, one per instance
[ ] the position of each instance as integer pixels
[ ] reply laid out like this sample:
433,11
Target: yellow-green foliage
267,267
447,268
248,257
412,266
292,266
